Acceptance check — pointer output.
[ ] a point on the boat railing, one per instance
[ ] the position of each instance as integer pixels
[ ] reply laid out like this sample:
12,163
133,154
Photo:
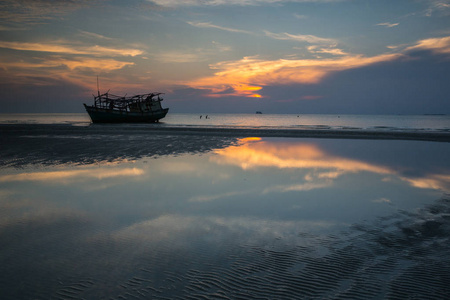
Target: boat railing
124,103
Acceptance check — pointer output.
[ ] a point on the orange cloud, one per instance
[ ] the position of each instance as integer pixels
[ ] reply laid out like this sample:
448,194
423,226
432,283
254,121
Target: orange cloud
95,64
45,71
243,77
437,45
77,62
58,47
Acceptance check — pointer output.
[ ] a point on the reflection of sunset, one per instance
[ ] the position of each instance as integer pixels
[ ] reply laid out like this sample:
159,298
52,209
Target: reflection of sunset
288,155
435,181
323,167
248,139
72,174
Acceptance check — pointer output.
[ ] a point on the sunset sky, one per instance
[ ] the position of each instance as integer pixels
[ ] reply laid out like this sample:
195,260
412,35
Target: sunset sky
228,56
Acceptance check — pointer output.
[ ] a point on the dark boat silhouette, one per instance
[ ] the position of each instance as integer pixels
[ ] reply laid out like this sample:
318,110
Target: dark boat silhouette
143,108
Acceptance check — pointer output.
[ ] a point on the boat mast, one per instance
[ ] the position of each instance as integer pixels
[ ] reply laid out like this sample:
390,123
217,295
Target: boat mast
98,90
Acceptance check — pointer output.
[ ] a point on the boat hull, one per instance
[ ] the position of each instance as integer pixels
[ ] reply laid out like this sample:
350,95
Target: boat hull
101,115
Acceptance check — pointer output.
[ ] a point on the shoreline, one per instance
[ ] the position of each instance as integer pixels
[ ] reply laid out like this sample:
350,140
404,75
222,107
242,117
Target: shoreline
313,133
157,129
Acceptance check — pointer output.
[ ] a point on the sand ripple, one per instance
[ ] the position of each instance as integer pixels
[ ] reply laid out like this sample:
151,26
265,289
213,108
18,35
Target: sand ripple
403,256
50,145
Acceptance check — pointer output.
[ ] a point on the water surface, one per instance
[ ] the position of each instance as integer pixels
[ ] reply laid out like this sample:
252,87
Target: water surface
292,121
189,216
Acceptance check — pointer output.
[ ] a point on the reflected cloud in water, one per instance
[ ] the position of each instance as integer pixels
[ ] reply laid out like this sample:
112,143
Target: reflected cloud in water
323,165
253,153
69,176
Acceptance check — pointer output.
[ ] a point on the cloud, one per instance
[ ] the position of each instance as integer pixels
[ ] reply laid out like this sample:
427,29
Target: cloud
311,39
181,230
62,176
439,7
73,63
59,60
54,69
93,35
207,198
180,3
256,154
250,74
209,25
94,64
388,24
179,57
61,47
433,181
20,12
300,17
435,45
319,44
308,186
382,200
326,50
191,55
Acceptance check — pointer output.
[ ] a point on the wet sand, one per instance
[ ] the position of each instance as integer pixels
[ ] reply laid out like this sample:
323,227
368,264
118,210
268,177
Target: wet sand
88,144
132,213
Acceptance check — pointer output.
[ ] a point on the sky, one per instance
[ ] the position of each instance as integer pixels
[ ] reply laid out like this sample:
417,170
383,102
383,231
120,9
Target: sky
228,56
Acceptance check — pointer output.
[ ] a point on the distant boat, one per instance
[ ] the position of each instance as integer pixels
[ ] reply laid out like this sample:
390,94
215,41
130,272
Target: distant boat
144,108
259,113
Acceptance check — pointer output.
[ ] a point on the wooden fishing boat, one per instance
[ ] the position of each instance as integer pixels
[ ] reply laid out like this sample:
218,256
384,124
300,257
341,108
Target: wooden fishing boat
144,108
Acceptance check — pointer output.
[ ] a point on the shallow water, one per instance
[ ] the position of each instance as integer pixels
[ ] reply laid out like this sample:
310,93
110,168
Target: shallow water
111,216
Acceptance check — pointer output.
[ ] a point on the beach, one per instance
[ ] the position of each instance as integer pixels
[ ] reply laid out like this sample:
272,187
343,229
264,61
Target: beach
208,212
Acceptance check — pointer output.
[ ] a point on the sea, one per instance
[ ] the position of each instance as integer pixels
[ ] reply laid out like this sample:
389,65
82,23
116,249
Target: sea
418,123
225,206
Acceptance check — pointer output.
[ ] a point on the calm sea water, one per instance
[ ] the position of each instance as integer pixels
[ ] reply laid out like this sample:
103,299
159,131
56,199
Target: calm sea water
366,122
